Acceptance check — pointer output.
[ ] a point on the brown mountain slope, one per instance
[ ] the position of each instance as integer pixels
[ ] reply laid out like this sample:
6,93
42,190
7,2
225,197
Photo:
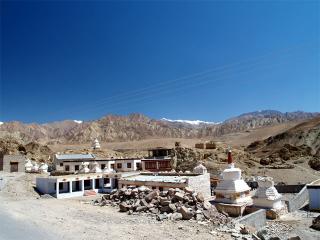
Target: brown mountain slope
137,127
300,140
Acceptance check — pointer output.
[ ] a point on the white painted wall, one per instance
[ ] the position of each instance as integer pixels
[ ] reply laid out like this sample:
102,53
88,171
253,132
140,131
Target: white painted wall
72,165
124,164
314,198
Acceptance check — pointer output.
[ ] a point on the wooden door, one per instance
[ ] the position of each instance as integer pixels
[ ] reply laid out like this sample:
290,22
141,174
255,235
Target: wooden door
14,167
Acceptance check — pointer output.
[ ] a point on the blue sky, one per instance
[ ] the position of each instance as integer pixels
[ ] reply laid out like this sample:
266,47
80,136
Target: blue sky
192,60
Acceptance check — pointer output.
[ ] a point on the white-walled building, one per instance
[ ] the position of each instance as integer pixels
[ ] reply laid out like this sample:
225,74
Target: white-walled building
73,162
127,164
314,195
77,185
164,181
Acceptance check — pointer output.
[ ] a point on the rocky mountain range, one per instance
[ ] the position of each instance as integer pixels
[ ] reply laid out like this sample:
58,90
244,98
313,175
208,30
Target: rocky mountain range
137,127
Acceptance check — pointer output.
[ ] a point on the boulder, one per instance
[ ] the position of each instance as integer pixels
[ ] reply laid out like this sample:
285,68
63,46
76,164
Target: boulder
188,190
207,205
171,191
176,216
141,208
200,197
172,207
161,217
179,196
123,207
316,223
143,202
164,201
165,209
186,213
294,238
199,217
151,195
143,189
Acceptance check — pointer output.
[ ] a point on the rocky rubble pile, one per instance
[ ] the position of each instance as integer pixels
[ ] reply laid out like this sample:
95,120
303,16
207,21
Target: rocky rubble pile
316,223
174,204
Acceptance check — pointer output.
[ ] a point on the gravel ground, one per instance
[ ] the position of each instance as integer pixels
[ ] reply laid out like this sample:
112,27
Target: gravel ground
79,219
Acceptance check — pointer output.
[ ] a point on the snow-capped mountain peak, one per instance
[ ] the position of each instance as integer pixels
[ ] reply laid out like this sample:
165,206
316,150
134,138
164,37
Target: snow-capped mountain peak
192,122
78,121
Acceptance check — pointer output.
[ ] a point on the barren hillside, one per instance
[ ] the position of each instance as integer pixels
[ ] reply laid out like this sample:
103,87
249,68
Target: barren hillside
113,128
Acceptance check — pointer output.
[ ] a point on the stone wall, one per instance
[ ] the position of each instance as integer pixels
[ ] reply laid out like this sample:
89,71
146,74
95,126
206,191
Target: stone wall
299,201
201,183
256,219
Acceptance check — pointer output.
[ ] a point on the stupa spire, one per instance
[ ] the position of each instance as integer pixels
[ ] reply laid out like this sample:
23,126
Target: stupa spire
230,160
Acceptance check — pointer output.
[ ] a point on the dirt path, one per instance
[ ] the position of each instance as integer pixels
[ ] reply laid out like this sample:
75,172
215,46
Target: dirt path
78,219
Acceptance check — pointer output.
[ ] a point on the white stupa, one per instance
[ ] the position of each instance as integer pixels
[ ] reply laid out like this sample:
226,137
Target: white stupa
108,170
232,189
28,165
267,195
35,167
95,168
200,169
84,167
96,144
43,168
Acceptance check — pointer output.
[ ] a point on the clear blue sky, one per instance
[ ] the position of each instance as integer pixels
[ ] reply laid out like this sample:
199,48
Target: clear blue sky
207,60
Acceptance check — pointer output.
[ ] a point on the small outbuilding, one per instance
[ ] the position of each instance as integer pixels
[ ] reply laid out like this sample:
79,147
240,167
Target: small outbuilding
12,163
314,195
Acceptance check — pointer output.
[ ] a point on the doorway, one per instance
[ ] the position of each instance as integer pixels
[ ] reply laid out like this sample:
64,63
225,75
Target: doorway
13,167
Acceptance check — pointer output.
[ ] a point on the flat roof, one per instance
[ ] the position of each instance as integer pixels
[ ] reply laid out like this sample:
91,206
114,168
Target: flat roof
314,183
155,178
74,156
156,159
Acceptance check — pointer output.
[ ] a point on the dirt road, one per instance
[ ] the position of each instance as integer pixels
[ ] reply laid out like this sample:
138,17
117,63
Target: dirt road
28,215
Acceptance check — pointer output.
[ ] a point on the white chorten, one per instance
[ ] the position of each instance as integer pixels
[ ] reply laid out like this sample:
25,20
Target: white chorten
43,168
267,195
96,144
95,168
107,170
200,169
84,167
35,167
28,165
232,189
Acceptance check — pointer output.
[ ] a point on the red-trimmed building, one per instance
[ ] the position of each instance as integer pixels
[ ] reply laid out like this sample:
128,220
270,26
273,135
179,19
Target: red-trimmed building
158,160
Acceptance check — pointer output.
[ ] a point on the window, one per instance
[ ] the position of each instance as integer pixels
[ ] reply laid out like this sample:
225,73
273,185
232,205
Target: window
164,164
103,166
67,168
61,164
112,166
97,183
119,165
138,166
150,165
76,167
128,165
106,180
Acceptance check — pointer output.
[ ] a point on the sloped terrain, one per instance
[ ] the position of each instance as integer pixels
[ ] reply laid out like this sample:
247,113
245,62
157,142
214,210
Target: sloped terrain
300,141
113,128
32,150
